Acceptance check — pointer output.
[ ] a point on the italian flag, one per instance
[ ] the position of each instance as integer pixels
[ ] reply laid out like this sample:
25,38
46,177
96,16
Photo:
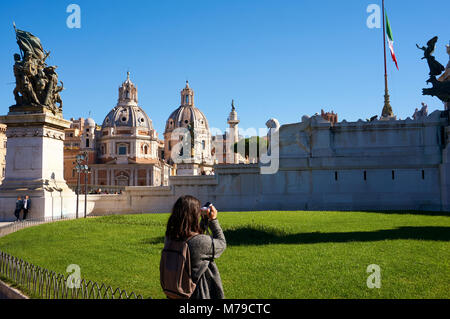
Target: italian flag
391,41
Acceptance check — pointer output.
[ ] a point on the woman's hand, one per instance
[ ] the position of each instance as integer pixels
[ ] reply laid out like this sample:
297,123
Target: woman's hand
212,213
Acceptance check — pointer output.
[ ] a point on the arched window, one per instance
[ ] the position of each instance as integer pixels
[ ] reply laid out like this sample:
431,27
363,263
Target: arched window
145,149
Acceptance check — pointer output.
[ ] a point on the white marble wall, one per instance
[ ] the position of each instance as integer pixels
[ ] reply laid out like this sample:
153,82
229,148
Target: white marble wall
312,155
35,166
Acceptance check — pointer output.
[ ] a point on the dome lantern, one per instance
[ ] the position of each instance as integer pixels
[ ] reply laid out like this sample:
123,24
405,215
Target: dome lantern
187,96
128,92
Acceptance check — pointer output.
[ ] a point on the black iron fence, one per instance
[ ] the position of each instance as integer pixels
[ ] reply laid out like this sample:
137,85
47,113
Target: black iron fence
18,225
39,282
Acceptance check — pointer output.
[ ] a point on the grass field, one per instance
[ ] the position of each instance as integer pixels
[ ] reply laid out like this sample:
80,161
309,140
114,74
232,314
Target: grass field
269,254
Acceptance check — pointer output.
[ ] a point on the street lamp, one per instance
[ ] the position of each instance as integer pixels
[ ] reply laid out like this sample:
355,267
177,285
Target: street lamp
87,170
82,168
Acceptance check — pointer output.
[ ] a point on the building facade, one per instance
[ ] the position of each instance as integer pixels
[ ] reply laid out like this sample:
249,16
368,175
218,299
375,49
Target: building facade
79,138
126,151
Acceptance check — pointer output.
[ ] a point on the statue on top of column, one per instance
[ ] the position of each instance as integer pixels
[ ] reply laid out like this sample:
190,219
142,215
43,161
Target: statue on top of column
36,82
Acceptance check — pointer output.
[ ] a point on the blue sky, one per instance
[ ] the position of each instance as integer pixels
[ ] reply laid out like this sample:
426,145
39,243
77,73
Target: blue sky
281,59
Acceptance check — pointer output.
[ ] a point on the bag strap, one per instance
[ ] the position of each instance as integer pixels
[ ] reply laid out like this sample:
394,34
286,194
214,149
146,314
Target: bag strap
212,243
213,249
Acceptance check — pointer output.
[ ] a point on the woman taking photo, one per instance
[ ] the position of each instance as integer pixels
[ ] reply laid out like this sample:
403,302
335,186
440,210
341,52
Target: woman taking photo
187,225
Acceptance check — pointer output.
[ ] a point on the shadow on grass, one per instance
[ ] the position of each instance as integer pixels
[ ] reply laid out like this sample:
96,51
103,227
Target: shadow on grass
154,241
407,212
259,236
262,235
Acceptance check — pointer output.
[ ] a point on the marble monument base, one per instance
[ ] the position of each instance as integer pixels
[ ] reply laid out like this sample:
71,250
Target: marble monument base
388,118
35,165
44,204
190,167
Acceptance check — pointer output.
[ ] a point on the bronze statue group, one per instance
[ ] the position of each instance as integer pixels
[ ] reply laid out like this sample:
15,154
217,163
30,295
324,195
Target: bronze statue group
441,85
22,205
36,82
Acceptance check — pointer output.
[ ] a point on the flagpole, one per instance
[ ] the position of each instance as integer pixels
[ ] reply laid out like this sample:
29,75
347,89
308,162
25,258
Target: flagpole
387,109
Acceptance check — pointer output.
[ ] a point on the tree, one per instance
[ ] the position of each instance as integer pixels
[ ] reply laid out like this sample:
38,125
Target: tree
252,140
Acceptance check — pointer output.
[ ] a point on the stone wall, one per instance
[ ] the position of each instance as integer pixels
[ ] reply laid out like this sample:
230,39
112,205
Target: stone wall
2,151
361,165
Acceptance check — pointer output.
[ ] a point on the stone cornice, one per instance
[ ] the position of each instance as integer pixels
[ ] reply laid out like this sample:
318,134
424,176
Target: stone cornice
16,131
30,120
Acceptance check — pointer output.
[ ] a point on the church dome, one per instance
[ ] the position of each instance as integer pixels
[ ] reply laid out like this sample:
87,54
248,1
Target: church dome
89,122
187,113
127,113
187,116
128,116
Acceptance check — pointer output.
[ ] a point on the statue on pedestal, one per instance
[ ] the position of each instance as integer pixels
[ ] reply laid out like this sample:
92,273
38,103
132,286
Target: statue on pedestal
190,128
441,86
36,83
446,76
35,132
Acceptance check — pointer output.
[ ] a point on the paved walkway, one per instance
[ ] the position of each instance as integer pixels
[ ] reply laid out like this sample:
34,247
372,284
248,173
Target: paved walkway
5,223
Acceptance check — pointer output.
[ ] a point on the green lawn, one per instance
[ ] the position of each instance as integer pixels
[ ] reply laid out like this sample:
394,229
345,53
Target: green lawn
269,254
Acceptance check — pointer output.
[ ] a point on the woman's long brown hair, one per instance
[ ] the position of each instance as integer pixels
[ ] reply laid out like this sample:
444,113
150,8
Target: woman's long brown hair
185,219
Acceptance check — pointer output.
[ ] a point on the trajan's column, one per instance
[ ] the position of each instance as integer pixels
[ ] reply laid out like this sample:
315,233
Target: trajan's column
35,137
233,137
